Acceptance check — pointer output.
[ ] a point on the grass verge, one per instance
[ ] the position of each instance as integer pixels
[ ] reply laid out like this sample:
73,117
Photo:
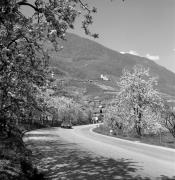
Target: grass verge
165,140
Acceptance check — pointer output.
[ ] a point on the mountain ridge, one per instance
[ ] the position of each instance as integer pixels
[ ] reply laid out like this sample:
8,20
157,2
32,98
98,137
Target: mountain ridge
83,58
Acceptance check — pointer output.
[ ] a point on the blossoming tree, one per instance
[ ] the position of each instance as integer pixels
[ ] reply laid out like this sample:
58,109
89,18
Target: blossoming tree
23,55
137,100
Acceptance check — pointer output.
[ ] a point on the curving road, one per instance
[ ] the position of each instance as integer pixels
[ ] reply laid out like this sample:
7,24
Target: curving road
147,160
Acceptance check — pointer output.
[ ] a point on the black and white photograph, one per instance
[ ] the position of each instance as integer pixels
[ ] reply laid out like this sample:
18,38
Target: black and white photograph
87,89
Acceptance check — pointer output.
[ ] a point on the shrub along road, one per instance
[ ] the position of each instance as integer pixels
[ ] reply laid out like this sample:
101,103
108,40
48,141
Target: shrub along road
79,153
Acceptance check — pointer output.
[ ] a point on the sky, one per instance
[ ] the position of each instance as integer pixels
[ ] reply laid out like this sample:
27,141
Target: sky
141,27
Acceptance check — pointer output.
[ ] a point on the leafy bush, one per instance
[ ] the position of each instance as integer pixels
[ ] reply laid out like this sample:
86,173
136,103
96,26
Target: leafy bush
68,109
116,118
169,120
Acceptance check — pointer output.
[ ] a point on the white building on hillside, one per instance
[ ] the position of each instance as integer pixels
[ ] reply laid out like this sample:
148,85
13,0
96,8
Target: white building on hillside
103,77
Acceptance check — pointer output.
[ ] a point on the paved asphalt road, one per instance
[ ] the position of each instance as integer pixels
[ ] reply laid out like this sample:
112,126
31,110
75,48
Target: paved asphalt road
145,160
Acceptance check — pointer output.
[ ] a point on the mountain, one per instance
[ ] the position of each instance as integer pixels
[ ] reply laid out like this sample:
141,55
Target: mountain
84,59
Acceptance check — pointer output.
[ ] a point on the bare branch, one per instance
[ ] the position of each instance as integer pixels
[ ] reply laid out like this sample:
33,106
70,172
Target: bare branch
39,10
84,6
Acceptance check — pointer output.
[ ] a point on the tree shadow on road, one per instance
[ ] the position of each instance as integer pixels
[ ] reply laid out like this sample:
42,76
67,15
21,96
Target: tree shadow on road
65,161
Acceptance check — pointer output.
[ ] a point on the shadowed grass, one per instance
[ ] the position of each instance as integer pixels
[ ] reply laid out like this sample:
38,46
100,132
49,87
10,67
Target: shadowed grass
15,162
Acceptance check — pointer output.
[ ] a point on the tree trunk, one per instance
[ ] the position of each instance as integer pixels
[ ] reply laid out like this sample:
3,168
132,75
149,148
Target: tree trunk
160,136
138,124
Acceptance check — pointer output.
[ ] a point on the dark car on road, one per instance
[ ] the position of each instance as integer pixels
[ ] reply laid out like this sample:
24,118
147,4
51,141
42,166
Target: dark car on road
66,124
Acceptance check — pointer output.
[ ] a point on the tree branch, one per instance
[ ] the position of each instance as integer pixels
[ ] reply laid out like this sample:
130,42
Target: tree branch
14,40
39,10
84,6
19,36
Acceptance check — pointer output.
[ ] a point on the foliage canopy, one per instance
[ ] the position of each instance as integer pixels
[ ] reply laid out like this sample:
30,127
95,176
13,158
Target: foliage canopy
24,57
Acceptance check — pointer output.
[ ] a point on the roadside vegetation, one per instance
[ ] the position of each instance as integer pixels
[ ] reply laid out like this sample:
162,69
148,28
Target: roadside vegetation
165,140
139,112
67,109
26,44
